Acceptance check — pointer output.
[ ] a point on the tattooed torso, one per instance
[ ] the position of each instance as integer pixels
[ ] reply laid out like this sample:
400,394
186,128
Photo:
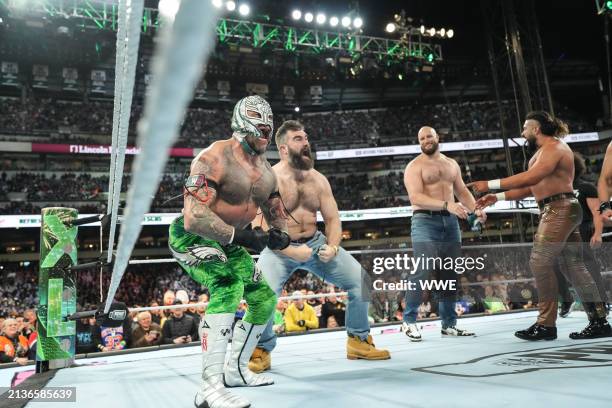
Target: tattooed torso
242,187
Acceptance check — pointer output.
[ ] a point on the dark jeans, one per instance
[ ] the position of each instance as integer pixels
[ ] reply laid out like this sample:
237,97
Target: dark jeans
434,236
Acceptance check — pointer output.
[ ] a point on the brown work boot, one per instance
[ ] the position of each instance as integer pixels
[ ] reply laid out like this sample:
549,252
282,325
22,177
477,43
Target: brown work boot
364,349
260,361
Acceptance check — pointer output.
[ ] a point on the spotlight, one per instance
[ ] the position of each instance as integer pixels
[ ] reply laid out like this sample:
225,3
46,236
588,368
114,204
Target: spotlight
244,9
422,29
308,17
346,21
357,22
450,33
297,109
431,32
296,15
390,27
168,8
442,32
217,3
321,18
333,21
230,5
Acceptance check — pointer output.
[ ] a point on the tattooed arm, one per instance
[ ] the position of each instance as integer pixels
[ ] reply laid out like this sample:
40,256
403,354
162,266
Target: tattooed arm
199,218
274,212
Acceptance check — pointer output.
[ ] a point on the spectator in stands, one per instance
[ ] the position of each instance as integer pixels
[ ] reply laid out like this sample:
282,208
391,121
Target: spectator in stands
169,298
333,307
331,322
492,302
426,310
383,307
146,333
315,303
192,311
85,335
29,319
179,328
279,317
156,315
182,296
300,316
201,310
113,338
13,345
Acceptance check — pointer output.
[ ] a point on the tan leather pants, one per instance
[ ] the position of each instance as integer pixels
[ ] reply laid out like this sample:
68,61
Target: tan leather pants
557,238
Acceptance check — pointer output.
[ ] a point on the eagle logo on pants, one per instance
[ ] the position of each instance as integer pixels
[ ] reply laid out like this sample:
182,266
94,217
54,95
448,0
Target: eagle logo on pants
197,255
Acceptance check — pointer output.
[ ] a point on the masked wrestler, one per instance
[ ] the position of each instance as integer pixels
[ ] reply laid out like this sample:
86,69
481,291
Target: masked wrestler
228,182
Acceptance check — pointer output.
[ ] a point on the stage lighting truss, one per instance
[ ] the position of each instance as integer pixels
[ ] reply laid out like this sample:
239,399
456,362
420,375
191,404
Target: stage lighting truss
309,40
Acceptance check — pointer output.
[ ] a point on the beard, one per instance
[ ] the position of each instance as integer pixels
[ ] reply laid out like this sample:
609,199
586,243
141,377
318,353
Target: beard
252,142
301,160
532,144
430,150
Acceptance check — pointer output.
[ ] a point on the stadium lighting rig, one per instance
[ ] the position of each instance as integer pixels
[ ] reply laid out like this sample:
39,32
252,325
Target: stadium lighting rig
314,33
403,25
320,18
243,8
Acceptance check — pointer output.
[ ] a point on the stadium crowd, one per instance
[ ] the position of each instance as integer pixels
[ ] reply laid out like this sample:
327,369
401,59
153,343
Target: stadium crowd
48,120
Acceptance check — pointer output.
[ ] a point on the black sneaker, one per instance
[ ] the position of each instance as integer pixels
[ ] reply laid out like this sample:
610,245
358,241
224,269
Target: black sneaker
596,329
537,332
565,309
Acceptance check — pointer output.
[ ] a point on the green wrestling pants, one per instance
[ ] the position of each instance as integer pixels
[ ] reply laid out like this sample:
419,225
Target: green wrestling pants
228,271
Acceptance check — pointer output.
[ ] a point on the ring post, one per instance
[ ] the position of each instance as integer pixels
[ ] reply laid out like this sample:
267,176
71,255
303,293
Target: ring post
56,289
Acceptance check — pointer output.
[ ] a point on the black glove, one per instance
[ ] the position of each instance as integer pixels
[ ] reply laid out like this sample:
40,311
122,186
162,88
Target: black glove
278,239
256,239
301,323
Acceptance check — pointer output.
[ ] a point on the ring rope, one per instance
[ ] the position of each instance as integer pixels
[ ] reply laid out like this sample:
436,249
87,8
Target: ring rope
119,61
183,45
133,18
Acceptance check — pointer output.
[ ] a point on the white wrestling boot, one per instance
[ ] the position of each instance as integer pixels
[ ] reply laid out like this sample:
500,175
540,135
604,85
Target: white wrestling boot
215,331
237,373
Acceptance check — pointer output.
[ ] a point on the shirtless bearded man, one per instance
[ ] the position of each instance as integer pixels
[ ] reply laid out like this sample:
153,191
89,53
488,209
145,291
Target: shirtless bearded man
229,181
433,180
549,179
304,192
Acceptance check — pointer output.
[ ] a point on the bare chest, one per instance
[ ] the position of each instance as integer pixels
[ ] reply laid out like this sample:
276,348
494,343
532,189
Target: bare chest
305,194
534,159
242,185
433,173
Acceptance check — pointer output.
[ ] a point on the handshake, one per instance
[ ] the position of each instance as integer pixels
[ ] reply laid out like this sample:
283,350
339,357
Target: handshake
257,239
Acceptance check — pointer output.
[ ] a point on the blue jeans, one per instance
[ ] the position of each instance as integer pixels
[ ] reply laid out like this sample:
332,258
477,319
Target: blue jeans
434,236
343,271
